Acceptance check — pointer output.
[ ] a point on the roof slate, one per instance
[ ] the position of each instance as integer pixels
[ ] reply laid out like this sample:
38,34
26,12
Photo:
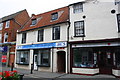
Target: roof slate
45,19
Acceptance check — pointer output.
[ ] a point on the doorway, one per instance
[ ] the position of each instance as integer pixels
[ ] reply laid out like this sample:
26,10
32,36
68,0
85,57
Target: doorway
105,62
35,62
61,61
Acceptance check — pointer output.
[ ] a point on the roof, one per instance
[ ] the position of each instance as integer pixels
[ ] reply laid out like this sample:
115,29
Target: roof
44,19
10,16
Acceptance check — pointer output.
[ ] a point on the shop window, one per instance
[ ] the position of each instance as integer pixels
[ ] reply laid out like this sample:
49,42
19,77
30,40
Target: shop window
83,57
117,57
78,8
43,58
56,33
22,57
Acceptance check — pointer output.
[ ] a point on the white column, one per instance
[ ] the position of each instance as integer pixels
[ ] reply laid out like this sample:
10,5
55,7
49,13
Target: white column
31,58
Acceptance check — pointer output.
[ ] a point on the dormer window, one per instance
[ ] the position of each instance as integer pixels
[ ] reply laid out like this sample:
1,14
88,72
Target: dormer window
55,16
34,21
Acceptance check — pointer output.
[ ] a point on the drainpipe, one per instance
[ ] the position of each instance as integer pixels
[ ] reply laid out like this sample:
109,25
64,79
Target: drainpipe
68,64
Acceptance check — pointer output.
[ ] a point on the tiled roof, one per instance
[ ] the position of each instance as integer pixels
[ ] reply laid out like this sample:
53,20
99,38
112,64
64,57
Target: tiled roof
44,19
10,16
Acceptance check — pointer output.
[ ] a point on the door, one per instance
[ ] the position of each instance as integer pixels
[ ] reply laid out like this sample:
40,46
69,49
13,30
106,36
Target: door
61,64
35,62
105,62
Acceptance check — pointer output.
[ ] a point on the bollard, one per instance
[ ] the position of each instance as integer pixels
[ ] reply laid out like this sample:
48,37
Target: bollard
12,66
31,69
21,76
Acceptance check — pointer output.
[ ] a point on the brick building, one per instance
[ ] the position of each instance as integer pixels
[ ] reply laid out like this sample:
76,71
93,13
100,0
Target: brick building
8,28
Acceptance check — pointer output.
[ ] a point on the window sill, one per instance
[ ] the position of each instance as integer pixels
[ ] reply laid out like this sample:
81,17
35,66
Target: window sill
86,67
80,36
22,64
43,66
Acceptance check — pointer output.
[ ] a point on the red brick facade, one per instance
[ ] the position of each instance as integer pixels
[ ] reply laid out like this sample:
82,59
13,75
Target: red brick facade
17,21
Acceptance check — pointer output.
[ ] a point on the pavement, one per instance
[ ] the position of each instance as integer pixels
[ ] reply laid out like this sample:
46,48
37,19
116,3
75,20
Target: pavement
38,75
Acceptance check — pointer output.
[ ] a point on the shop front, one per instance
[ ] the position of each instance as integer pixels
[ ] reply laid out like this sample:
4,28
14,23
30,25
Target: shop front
95,58
43,57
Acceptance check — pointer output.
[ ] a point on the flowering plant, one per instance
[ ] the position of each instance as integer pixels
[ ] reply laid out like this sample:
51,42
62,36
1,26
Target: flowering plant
9,75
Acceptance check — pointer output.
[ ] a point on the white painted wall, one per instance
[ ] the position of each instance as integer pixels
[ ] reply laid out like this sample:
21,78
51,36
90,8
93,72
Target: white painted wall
32,35
99,22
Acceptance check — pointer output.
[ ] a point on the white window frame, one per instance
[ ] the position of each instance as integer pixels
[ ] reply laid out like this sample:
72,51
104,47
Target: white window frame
78,8
7,24
1,26
6,36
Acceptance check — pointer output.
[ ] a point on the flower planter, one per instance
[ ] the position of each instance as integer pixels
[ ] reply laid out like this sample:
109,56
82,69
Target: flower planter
11,75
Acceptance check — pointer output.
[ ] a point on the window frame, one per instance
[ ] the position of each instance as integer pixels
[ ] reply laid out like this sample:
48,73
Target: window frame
6,36
40,57
54,16
88,58
34,21
1,26
24,37
55,33
118,22
18,60
7,25
80,29
40,35
78,8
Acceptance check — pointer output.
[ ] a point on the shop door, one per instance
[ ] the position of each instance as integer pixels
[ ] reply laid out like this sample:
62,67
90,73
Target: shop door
61,61
35,62
105,62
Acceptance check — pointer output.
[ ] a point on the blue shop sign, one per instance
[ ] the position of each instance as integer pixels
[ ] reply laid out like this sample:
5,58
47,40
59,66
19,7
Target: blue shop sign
43,45
3,49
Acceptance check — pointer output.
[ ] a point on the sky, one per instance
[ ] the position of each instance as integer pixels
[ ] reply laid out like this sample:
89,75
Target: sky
8,7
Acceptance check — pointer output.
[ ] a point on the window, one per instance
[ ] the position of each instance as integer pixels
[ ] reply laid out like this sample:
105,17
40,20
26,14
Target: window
78,8
1,26
40,35
6,37
118,20
82,57
24,38
79,28
56,33
7,24
43,57
55,16
34,21
22,57
117,57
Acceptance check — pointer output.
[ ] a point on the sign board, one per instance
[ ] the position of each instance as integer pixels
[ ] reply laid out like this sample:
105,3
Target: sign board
4,59
3,49
43,45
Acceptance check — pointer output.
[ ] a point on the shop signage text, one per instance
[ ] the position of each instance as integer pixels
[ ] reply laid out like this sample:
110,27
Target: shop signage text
43,45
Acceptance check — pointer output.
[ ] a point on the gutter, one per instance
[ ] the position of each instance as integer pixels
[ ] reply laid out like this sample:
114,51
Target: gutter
68,70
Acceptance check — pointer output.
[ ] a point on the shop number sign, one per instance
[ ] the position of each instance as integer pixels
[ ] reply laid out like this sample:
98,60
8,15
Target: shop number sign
4,59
